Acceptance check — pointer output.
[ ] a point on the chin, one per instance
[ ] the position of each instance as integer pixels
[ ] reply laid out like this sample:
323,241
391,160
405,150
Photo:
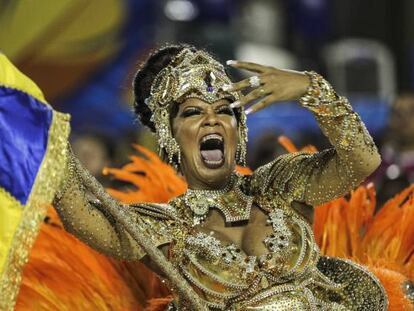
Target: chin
215,176
212,164
216,156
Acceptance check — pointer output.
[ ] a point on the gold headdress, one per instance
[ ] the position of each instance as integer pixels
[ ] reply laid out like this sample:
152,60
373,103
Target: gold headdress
189,75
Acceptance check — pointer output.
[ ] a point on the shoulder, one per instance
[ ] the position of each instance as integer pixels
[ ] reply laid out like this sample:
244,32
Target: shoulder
158,222
155,220
155,210
173,212
279,171
289,174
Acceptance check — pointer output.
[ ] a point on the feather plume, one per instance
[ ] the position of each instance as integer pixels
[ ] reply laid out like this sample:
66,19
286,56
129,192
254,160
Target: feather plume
65,274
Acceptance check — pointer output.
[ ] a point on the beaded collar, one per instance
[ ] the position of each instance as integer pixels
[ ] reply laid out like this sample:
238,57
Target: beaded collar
231,201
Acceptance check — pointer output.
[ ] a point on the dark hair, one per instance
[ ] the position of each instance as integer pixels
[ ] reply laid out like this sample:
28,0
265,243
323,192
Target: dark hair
156,61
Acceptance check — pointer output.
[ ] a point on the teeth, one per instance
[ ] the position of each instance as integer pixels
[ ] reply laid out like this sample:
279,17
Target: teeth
211,136
213,162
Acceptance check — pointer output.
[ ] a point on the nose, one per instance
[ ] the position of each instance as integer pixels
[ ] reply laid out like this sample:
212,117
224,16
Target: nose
210,119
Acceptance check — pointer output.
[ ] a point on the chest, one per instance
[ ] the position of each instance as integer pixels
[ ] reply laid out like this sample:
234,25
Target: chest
248,236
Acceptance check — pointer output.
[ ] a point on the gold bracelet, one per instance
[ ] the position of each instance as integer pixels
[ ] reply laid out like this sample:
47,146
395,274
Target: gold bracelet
321,98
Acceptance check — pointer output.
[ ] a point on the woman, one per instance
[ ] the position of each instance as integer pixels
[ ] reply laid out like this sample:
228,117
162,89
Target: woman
240,242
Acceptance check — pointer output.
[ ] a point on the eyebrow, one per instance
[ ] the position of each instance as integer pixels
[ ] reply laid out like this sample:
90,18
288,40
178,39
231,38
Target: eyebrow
194,106
226,104
191,107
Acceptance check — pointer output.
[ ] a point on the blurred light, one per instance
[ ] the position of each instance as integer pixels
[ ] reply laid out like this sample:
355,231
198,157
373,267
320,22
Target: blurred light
180,10
393,172
314,4
266,54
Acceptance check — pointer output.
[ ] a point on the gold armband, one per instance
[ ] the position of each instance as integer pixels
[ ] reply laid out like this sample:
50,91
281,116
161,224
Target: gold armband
321,98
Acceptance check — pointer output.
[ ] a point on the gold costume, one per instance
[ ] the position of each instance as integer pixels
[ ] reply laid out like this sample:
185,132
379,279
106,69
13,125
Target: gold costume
291,274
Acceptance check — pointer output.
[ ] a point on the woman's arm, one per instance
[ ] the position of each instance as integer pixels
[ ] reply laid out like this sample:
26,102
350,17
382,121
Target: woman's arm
141,227
305,177
354,156
87,219
145,226
315,178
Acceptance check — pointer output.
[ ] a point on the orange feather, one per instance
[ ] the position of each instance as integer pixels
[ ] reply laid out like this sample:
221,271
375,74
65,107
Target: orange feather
65,274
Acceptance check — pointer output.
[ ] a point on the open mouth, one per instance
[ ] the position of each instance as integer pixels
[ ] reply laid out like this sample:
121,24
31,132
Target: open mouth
212,150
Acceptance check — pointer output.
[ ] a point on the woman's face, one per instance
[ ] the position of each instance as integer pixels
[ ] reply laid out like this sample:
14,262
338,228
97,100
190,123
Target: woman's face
207,135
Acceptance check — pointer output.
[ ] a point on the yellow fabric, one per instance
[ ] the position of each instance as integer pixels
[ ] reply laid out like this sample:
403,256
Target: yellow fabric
20,224
61,31
11,77
10,215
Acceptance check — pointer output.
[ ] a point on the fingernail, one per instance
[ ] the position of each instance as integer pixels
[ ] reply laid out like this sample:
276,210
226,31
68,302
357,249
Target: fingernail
234,104
226,87
231,62
248,111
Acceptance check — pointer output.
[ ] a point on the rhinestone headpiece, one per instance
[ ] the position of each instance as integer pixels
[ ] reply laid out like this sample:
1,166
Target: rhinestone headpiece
189,75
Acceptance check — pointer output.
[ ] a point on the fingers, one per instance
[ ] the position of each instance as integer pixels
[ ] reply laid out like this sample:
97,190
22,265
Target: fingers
237,86
247,66
260,105
255,94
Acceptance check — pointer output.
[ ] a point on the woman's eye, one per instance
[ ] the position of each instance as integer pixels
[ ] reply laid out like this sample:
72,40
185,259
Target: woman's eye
226,110
190,112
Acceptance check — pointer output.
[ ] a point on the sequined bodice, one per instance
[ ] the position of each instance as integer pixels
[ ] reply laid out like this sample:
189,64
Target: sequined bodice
292,253
226,276
290,275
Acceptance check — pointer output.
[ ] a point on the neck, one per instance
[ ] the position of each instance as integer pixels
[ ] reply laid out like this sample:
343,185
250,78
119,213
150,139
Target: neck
200,186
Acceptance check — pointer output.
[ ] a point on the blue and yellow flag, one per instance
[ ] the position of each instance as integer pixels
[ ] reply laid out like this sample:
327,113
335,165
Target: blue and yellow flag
33,146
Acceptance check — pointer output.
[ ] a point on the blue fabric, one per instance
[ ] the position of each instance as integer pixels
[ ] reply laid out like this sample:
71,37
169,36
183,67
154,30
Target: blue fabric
24,127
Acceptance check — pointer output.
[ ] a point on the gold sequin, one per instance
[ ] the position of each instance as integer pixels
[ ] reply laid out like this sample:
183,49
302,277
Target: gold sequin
44,188
291,275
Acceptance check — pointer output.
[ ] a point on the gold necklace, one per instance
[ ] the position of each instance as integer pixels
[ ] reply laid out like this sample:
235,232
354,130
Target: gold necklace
231,201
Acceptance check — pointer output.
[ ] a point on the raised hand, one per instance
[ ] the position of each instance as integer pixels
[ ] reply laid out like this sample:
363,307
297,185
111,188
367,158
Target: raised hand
270,85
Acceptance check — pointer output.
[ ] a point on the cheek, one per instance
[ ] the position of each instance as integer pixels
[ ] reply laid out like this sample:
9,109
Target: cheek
184,133
234,126
233,133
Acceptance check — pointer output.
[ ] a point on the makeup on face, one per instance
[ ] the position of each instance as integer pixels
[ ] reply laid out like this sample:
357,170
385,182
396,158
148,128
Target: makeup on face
207,135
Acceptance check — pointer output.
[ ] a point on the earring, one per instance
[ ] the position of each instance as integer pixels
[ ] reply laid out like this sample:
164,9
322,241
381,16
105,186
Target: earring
241,149
173,152
241,154
169,150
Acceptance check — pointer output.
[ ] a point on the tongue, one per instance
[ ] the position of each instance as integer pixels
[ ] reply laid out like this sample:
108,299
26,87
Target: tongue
212,155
